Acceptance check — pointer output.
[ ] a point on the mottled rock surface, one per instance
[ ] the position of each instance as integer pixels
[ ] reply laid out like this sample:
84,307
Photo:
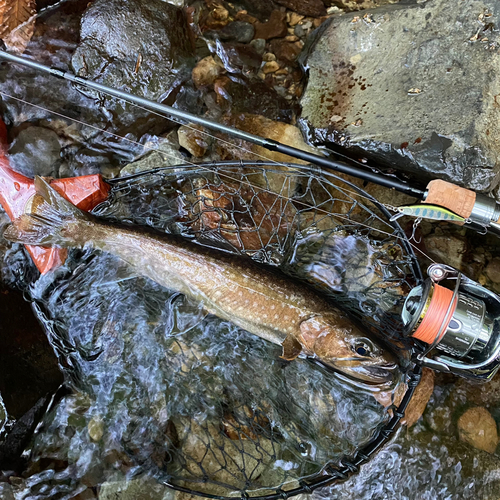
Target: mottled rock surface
478,428
114,50
414,85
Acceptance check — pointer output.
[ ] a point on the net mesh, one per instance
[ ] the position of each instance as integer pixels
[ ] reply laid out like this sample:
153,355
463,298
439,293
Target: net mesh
190,399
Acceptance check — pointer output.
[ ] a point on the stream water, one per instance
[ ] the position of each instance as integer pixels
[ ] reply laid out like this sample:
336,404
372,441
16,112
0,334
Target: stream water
157,391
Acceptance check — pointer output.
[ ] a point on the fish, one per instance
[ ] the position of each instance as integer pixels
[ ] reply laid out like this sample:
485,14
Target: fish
254,297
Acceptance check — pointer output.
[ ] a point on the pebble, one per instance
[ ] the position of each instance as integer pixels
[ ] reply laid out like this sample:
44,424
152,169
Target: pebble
294,18
270,67
96,428
478,428
259,45
268,56
299,31
206,71
276,27
286,51
239,31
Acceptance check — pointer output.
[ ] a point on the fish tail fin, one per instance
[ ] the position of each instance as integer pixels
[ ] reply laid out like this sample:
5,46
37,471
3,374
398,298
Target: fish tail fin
53,220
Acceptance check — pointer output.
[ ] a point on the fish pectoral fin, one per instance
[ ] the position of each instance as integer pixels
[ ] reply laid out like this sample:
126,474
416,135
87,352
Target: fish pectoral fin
291,348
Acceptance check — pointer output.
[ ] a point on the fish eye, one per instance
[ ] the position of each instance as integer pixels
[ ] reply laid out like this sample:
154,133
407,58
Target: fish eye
362,349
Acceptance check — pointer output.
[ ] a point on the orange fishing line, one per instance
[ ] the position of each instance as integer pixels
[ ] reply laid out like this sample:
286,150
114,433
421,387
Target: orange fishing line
436,315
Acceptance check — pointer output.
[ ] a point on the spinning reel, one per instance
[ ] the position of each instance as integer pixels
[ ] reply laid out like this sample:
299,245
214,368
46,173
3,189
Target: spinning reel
458,330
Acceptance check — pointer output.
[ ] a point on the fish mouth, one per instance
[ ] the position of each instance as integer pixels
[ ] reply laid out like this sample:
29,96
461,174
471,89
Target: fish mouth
379,375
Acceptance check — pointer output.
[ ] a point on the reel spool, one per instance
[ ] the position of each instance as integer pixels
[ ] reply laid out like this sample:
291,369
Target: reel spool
462,324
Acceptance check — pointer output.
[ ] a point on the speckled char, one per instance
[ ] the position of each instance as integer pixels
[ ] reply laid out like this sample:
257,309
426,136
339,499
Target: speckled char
414,86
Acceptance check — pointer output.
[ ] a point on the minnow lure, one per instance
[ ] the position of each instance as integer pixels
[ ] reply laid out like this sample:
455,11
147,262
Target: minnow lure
425,211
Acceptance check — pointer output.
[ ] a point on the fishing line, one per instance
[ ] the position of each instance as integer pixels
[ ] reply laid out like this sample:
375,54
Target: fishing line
204,167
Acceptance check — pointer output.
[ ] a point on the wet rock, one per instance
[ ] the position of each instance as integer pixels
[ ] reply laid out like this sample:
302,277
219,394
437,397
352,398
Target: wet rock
313,8
446,248
114,51
239,95
96,428
206,71
260,8
159,152
238,57
420,399
217,18
393,68
478,428
270,67
286,51
194,139
238,31
259,45
493,270
36,151
144,487
275,27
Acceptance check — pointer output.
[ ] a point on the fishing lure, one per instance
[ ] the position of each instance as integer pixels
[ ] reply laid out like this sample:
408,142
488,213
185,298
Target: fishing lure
424,211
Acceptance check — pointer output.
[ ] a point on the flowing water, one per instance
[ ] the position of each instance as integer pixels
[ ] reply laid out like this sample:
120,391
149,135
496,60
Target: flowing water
158,392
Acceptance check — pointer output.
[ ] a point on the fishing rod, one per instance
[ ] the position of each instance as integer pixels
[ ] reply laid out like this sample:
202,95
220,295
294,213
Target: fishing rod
441,200
462,326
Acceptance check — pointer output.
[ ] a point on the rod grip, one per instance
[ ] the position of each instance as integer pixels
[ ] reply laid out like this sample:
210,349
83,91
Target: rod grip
454,198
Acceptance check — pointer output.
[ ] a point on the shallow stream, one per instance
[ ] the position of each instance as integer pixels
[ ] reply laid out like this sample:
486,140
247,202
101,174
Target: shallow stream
156,391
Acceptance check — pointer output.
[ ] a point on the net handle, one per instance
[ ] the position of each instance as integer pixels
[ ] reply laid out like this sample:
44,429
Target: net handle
333,474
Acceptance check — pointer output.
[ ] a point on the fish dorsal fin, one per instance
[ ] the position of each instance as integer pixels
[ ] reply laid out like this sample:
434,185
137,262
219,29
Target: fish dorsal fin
291,348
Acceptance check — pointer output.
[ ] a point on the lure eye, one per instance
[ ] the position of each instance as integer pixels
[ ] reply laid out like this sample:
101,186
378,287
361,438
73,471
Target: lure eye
362,349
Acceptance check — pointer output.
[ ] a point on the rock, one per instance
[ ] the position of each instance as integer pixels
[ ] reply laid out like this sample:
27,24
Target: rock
114,51
206,71
238,31
96,428
420,398
270,67
493,270
192,138
263,127
143,488
352,5
260,8
217,18
446,248
294,18
252,96
274,28
286,51
478,428
394,68
259,45
36,151
159,152
313,8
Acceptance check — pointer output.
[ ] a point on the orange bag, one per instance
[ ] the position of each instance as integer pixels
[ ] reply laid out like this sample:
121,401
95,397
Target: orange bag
85,192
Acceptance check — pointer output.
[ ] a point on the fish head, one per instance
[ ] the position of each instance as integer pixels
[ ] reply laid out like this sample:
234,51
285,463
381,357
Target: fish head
339,343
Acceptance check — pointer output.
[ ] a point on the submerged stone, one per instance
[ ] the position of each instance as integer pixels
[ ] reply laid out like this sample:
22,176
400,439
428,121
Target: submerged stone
114,51
410,85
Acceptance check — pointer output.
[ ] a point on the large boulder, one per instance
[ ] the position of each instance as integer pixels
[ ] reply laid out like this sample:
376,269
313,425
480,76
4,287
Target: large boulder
141,47
412,85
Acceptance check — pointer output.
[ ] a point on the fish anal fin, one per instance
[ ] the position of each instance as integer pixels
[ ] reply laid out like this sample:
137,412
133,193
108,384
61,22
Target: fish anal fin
291,348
